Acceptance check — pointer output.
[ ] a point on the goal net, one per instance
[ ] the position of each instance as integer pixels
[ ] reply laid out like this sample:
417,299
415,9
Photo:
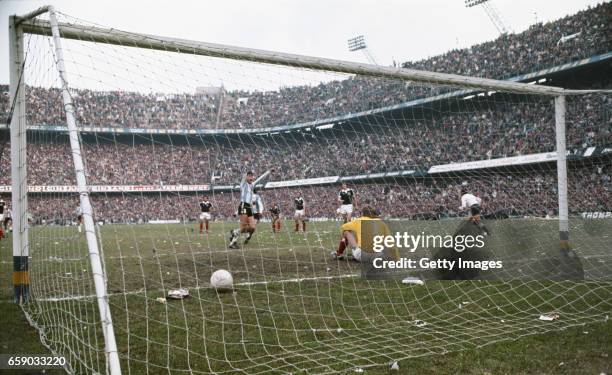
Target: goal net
161,132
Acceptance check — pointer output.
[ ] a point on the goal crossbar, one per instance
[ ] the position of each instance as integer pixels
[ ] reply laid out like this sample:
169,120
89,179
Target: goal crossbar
130,39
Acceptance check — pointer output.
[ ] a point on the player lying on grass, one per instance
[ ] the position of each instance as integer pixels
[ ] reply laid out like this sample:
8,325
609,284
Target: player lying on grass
472,202
245,211
351,233
205,208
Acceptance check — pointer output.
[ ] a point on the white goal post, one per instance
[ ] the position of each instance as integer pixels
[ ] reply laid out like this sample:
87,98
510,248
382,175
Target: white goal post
18,25
19,173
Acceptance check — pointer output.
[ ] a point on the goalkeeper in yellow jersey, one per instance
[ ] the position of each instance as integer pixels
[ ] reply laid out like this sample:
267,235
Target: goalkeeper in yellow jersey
352,233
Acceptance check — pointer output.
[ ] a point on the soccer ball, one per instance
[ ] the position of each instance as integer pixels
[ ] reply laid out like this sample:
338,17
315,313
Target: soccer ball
357,254
222,280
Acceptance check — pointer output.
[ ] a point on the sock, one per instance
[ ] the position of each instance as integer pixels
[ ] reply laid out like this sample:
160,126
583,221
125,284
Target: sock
341,247
235,236
304,226
80,228
1,233
297,226
207,226
201,226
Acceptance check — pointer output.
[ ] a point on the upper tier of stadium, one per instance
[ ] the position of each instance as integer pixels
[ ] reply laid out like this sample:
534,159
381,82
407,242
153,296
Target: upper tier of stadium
539,47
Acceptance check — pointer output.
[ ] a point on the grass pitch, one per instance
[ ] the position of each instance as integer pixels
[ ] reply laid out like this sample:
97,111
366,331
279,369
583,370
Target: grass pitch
295,310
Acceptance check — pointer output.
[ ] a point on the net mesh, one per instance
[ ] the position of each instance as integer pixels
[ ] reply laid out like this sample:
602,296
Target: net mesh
161,130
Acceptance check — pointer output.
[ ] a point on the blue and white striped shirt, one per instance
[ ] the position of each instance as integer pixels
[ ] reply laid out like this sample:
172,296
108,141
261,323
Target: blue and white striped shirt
246,191
258,206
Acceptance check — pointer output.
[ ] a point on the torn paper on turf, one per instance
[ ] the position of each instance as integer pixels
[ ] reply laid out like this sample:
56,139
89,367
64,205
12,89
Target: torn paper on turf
178,293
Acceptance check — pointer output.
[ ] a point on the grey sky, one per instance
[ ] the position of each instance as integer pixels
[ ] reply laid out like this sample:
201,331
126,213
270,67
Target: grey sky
394,29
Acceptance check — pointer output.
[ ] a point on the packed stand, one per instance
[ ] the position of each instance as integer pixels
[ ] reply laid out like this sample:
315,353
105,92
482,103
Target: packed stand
521,194
543,45
574,37
503,130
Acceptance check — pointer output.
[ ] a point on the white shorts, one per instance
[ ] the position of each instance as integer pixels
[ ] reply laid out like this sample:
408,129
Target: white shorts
345,209
299,213
1,217
205,216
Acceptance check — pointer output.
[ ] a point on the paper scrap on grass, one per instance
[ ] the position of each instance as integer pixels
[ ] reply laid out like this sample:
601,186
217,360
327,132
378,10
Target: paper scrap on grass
549,317
413,281
178,293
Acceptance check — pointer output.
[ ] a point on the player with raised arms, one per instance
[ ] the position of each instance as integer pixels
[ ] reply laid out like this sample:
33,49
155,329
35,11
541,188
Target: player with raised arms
257,208
472,202
245,209
300,213
276,219
348,202
205,213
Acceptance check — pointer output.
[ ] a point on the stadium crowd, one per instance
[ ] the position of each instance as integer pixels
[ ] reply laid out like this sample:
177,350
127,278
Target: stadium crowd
541,46
501,130
491,127
524,194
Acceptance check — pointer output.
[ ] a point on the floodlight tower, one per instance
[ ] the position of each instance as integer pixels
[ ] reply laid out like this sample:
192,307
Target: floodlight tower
491,11
358,43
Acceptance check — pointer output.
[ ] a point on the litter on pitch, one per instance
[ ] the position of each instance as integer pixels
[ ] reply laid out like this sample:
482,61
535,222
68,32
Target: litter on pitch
178,293
413,281
337,330
549,317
